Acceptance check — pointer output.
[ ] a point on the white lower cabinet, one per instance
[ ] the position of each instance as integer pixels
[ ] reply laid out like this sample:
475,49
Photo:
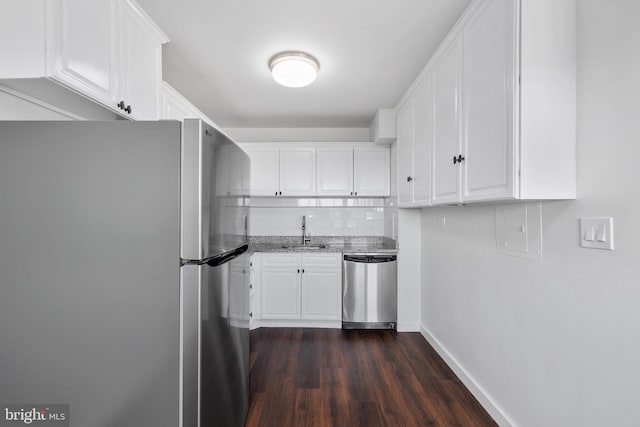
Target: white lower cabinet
321,286
299,289
280,286
237,296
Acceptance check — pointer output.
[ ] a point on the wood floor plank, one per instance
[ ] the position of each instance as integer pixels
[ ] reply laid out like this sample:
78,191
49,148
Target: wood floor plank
335,392
335,378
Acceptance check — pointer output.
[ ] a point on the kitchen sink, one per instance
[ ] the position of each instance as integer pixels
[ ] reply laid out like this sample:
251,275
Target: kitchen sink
304,247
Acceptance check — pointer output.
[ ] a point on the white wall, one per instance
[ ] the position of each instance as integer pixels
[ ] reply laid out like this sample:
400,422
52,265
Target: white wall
409,255
556,342
17,106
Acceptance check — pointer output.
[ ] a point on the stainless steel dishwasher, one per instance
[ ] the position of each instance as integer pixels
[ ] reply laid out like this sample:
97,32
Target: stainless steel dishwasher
369,291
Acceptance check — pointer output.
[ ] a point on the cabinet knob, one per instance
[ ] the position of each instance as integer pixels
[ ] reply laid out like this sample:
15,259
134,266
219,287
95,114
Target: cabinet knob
298,271
121,105
280,193
251,314
409,178
128,109
352,193
303,270
250,286
458,159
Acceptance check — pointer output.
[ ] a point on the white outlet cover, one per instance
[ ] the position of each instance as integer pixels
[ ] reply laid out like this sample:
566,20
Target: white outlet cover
596,233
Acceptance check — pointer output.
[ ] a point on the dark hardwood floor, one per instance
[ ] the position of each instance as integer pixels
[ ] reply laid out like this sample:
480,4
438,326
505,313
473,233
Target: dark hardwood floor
339,378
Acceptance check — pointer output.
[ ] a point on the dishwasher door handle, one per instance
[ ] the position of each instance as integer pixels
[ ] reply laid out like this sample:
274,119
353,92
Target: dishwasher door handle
370,259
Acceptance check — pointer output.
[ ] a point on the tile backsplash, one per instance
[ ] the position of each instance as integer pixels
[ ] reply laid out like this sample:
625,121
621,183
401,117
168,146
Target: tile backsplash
325,217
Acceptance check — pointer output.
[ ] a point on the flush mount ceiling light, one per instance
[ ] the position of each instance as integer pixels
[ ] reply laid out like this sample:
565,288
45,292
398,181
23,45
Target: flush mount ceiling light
294,69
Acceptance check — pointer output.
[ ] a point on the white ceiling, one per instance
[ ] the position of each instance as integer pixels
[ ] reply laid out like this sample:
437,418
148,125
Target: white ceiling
370,51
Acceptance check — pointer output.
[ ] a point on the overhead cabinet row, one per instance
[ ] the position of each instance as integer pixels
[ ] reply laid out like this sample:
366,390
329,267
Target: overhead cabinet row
321,170
492,115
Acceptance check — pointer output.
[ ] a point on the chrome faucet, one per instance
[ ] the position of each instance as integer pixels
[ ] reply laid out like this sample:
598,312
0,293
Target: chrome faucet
305,239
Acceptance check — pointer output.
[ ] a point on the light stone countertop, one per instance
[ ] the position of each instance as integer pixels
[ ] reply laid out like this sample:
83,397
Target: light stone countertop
346,244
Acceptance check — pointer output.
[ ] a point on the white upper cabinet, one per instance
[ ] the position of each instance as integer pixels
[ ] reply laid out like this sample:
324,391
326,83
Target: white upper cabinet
415,123
504,105
230,172
279,171
446,77
422,143
108,51
297,172
371,171
359,171
89,67
264,170
488,123
141,63
335,172
319,169
406,118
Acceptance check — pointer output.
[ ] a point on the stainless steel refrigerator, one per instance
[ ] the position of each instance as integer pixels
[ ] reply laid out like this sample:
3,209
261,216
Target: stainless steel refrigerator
124,272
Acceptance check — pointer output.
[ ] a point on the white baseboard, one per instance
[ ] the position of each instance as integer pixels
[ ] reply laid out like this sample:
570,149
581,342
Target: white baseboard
478,392
408,326
328,324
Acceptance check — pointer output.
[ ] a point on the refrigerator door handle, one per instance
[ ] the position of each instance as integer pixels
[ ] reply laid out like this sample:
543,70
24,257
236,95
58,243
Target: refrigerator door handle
220,259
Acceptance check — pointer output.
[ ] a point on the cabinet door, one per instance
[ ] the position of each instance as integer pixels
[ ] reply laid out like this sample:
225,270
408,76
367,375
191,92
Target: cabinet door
446,123
321,294
280,291
335,171
264,171
86,63
229,171
423,125
372,171
141,64
405,151
298,171
238,292
489,74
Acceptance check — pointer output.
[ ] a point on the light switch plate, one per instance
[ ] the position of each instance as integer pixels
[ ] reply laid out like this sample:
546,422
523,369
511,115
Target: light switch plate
596,233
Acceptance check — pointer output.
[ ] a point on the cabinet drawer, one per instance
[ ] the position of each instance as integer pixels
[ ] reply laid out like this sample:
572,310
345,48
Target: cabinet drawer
280,260
324,260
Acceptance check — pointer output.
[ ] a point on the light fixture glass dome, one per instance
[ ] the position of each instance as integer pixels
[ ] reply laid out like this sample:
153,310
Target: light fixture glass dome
294,69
